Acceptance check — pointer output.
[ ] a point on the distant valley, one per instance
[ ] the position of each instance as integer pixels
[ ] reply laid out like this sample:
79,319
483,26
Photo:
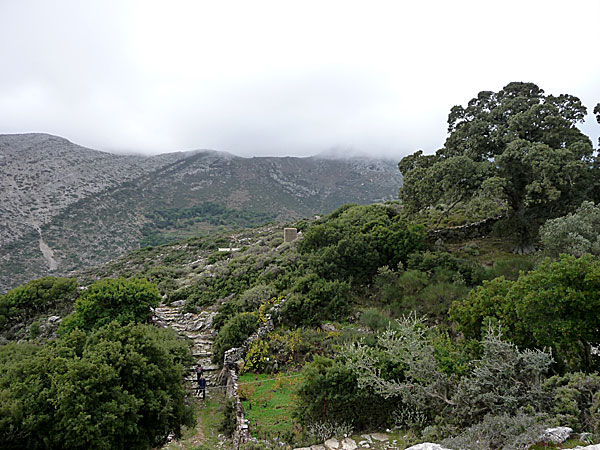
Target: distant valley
64,207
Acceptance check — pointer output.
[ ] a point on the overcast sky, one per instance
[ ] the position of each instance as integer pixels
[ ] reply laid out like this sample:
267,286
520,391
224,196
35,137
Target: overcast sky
280,77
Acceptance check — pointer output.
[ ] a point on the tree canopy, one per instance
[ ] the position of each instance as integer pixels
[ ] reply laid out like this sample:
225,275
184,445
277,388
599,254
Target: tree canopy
518,146
554,306
35,297
119,387
121,300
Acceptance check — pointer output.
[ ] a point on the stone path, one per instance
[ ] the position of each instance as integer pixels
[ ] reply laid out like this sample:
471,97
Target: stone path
372,441
198,328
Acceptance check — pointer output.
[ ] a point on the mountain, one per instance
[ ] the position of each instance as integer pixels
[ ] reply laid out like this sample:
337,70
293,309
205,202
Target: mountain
66,207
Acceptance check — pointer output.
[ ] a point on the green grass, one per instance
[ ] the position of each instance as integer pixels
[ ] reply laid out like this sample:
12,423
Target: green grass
569,443
268,403
205,435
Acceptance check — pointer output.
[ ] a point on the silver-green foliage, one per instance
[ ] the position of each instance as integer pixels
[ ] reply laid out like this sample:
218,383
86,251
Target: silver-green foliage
577,233
504,432
505,380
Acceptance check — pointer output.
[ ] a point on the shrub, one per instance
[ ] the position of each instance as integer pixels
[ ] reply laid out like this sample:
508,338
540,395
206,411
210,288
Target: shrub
577,233
120,387
500,431
330,393
354,241
36,297
574,400
105,301
233,334
374,319
315,299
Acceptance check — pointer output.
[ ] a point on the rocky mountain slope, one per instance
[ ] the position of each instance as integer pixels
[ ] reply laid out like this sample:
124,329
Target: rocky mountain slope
65,207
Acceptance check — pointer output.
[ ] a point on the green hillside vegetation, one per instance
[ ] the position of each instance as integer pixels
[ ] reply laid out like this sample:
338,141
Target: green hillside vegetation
387,316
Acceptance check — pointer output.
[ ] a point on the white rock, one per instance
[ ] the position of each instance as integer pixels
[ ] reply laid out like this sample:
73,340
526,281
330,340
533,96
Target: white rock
317,447
380,437
349,444
332,444
589,447
367,437
53,319
427,446
557,435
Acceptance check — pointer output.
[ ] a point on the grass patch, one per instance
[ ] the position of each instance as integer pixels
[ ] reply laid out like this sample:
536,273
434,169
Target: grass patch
205,435
569,443
268,403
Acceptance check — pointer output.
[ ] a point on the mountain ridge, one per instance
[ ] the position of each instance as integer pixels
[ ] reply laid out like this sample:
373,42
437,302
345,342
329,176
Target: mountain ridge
67,207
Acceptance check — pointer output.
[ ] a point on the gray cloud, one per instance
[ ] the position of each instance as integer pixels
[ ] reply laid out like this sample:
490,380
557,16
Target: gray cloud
271,77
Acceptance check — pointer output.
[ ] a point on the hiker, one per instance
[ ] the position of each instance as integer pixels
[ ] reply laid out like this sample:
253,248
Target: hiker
199,372
202,386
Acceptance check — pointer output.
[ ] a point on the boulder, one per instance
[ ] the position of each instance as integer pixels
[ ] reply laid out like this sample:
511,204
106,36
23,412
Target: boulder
329,327
427,446
557,435
380,437
53,319
349,444
332,444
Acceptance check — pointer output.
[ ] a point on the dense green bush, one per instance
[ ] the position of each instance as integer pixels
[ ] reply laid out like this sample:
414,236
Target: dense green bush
438,263
426,293
554,306
354,241
233,334
331,393
121,300
315,300
36,297
120,387
573,400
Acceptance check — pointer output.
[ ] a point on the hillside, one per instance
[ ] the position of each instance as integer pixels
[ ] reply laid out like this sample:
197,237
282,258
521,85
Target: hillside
362,298
65,207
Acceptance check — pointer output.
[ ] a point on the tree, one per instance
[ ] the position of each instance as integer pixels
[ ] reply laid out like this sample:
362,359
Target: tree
36,297
121,300
119,387
517,145
554,306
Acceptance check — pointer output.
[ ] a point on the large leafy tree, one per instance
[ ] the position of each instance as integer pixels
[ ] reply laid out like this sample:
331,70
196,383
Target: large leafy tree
554,306
518,146
119,387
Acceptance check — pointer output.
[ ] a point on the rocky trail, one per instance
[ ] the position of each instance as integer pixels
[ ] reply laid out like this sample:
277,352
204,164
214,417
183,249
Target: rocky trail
198,328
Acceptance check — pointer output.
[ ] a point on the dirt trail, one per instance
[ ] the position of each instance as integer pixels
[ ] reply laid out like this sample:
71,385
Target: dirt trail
46,250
